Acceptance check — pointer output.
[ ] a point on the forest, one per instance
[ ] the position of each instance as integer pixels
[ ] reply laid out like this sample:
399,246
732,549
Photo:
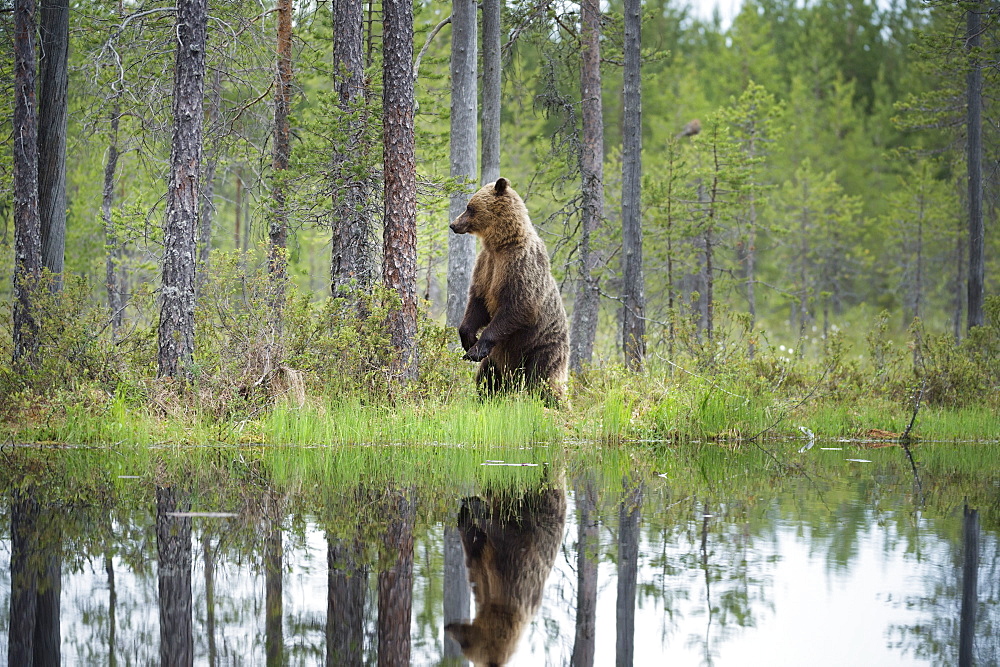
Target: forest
234,410
216,206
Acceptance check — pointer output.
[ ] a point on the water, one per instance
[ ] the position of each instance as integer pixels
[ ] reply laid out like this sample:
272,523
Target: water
837,563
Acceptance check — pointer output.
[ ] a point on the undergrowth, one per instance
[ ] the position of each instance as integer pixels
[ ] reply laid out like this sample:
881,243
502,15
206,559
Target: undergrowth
324,378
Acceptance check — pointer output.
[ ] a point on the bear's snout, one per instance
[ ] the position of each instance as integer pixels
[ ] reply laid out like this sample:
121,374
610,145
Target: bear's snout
460,226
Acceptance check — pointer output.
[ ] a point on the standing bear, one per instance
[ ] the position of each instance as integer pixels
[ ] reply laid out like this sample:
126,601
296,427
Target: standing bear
513,300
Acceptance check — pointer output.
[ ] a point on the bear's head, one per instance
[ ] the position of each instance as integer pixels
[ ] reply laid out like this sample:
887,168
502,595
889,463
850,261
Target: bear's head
487,642
496,214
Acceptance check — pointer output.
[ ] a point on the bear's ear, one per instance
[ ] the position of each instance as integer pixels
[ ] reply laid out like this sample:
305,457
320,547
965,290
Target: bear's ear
500,187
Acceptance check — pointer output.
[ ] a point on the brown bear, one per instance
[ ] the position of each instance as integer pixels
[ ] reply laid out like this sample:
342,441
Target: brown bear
513,299
511,541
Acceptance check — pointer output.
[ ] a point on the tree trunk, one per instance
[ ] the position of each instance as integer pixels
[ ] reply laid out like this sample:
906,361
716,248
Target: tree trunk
173,547
277,256
347,581
353,246
633,297
956,285
462,247
585,306
116,298
27,227
750,251
918,288
208,187
975,166
176,330
628,571
709,285
713,216
53,82
586,572
395,585
237,227
399,256
492,81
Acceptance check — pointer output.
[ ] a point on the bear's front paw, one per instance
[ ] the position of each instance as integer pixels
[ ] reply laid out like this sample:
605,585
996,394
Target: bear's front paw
477,352
468,338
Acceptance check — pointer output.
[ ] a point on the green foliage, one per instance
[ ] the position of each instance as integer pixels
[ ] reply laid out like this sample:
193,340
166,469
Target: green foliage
75,347
960,375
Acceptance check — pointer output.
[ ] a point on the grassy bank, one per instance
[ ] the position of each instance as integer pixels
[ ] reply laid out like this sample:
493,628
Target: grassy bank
611,409
327,383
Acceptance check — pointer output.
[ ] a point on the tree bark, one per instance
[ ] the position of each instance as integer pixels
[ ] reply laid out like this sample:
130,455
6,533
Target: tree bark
353,246
492,82
399,257
633,297
53,82
462,247
173,547
277,264
974,128
585,306
395,586
27,225
176,330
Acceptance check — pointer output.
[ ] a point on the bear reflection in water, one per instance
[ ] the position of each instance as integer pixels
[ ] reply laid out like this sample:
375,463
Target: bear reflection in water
510,540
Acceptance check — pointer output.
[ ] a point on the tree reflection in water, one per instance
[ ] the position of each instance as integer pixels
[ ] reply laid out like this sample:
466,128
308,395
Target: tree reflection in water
35,582
721,568
173,546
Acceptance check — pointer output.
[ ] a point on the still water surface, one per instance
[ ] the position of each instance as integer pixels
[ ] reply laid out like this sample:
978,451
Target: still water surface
847,565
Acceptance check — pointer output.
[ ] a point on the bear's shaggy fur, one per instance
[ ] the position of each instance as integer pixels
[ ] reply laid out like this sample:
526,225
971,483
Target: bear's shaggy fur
513,299
510,543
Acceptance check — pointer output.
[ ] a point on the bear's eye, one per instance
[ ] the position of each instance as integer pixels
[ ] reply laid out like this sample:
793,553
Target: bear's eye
470,210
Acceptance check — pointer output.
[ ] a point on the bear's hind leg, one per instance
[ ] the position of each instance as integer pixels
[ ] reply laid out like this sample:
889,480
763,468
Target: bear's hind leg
488,378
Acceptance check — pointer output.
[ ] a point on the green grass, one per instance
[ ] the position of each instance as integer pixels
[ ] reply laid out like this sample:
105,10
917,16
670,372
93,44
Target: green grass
466,421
